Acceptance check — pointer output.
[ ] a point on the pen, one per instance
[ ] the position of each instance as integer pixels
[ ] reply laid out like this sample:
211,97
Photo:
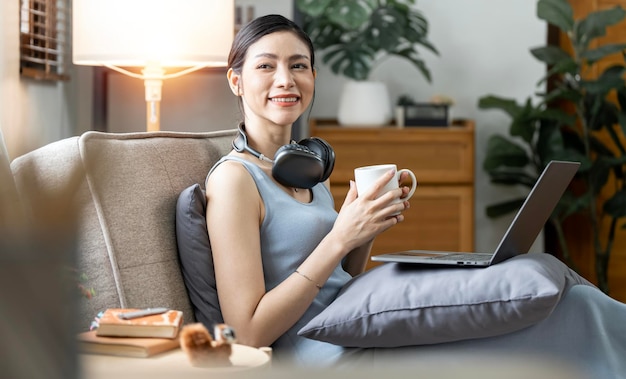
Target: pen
142,313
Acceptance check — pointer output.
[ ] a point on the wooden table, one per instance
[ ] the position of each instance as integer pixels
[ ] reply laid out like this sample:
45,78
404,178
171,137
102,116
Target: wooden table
174,364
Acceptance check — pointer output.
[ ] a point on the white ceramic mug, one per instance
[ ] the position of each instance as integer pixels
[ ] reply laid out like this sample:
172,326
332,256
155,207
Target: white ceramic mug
366,176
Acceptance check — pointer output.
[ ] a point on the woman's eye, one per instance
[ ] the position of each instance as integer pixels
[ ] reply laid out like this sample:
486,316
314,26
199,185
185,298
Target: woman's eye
300,66
264,66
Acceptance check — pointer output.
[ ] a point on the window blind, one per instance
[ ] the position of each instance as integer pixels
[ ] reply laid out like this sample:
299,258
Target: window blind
44,39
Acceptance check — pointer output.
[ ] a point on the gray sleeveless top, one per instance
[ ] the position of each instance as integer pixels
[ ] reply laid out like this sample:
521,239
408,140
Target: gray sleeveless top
290,231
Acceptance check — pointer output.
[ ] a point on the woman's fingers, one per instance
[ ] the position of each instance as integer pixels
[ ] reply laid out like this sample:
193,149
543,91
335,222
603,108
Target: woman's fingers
373,191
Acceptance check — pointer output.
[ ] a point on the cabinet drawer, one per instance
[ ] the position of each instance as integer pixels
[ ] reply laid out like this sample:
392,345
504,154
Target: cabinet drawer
435,155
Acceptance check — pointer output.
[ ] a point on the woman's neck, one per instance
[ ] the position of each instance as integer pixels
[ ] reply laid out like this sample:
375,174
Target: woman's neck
267,138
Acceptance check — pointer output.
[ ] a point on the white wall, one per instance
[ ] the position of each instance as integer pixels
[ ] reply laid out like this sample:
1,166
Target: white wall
484,47
10,120
32,113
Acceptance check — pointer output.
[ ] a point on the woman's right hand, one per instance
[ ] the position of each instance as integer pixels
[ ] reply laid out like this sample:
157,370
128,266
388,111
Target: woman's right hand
362,217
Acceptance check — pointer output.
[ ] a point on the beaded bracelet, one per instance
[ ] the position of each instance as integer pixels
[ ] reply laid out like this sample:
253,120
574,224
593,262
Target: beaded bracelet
309,279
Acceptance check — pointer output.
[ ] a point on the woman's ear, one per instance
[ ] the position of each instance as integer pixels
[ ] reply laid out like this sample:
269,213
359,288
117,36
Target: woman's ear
314,73
233,82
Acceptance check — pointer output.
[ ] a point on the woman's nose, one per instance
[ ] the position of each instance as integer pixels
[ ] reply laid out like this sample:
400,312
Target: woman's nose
284,77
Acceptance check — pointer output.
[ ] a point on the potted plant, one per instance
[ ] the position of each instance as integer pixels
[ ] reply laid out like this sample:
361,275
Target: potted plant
592,131
354,36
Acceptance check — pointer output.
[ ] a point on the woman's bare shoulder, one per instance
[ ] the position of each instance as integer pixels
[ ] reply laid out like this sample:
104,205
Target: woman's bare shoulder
230,178
228,173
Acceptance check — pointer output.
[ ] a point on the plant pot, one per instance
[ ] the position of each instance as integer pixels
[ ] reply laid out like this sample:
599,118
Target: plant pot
364,103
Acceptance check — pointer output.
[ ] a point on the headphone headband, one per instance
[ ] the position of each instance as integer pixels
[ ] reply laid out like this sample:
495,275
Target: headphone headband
240,144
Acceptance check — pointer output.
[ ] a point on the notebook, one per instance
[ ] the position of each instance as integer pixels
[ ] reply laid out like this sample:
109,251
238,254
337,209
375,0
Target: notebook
521,234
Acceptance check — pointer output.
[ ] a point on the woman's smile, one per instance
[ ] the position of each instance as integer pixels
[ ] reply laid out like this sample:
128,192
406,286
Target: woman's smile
285,100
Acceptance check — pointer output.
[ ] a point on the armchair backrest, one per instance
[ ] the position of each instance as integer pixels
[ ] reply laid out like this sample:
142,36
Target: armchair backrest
126,234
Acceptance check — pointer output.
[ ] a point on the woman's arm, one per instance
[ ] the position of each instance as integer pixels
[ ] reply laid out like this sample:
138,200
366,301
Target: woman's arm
356,261
234,214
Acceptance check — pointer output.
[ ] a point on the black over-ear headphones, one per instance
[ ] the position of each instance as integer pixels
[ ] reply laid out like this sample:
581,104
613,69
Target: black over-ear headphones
299,165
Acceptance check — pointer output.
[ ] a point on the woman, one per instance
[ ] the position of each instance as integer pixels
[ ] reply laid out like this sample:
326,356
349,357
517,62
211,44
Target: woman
297,251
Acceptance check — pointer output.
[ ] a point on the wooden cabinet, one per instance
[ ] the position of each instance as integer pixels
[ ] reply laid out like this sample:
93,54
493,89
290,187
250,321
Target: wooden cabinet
441,216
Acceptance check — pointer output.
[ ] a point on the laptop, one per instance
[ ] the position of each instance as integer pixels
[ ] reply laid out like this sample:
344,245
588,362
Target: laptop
520,235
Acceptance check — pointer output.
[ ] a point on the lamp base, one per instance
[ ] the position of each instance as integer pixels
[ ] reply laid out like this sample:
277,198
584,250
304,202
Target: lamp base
153,76
153,116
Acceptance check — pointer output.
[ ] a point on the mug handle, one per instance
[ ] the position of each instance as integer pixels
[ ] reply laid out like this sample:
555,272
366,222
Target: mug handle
413,181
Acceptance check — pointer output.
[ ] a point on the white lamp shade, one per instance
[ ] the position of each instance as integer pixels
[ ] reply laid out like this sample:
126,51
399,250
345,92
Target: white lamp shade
172,33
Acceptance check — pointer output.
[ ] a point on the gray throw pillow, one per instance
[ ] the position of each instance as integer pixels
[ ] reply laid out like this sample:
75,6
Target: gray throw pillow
402,305
196,258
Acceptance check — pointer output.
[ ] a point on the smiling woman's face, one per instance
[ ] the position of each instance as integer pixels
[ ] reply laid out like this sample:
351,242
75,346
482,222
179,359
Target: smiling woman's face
277,80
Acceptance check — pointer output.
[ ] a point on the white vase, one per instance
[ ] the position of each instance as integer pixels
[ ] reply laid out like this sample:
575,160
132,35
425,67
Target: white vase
364,103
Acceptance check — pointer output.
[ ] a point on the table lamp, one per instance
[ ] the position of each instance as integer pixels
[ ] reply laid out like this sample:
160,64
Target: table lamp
183,35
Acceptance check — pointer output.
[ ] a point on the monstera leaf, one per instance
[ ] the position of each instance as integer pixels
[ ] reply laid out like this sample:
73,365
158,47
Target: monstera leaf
354,35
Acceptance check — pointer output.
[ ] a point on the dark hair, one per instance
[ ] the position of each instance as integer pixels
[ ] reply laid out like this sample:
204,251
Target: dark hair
258,28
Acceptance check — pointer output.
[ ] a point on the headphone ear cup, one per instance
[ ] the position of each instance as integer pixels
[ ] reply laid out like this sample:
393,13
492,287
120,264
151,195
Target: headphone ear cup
324,150
297,166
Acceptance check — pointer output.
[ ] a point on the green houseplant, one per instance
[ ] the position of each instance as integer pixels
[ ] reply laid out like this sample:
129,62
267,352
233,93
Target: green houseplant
591,131
353,36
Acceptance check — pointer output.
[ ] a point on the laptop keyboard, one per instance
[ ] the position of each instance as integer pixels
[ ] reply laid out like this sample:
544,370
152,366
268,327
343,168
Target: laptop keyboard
473,257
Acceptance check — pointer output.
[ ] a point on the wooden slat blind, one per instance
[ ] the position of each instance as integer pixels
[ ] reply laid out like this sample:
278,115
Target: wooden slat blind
44,35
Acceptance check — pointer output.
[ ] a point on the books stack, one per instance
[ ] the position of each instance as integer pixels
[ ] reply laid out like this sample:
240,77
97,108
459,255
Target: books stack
138,336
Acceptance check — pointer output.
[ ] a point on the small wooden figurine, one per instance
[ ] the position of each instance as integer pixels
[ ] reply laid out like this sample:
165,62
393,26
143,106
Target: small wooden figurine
204,351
